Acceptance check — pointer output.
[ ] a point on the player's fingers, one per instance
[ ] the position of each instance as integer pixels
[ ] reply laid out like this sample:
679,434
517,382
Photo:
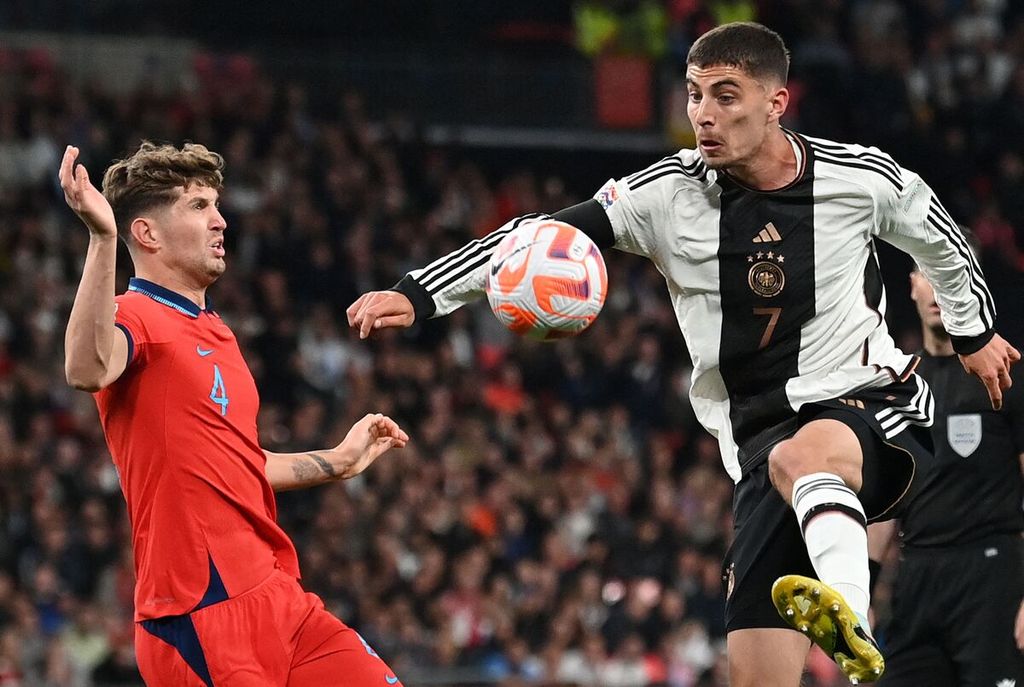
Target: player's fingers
81,177
389,427
396,432
391,321
385,443
366,308
366,322
354,309
995,394
70,153
1014,354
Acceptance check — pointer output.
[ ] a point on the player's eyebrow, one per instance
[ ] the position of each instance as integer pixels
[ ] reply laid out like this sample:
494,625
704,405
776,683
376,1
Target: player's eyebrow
200,195
721,83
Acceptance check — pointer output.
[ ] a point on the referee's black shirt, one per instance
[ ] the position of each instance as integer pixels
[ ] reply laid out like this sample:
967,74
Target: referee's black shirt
975,489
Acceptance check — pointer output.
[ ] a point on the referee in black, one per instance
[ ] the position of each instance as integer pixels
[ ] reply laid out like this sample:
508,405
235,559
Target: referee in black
958,614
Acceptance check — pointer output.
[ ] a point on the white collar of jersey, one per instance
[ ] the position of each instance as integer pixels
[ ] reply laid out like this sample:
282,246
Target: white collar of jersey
798,150
164,296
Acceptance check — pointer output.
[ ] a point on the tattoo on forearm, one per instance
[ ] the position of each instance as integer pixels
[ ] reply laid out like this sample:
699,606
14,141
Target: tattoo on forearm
325,465
306,471
303,470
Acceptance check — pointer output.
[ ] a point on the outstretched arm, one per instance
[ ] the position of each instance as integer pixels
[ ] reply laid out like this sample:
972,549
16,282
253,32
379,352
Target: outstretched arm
364,443
441,287
96,351
459,277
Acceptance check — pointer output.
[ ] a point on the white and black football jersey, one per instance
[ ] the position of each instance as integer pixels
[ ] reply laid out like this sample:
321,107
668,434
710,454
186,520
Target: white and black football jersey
777,293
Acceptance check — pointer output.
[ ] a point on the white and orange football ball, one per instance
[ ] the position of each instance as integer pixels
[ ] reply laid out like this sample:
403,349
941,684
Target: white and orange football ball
546,280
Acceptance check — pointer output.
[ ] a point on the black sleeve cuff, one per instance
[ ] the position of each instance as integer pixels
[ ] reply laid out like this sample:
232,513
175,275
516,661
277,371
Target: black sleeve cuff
965,345
590,218
131,342
422,304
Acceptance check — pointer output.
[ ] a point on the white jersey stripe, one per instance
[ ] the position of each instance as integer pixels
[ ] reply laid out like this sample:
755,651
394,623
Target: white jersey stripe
851,160
919,411
949,230
458,264
843,151
666,162
956,237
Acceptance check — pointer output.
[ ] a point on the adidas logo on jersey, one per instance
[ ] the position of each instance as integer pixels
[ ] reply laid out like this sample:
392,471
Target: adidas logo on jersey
768,235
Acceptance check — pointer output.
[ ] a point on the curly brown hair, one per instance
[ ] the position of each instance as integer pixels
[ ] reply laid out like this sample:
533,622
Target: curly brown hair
151,176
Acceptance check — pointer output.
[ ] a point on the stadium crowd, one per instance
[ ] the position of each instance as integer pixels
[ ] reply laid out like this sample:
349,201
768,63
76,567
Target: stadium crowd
559,517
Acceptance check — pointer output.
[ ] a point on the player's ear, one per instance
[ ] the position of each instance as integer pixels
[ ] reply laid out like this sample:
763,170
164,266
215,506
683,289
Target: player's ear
915,284
778,101
144,231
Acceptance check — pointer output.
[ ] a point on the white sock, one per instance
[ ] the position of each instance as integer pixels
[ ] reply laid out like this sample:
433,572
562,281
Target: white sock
835,531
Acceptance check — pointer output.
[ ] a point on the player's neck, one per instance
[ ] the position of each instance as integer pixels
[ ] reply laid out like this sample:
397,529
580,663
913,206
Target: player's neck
173,281
937,344
772,167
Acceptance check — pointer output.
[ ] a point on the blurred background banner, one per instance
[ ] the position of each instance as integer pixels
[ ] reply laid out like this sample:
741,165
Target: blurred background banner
559,517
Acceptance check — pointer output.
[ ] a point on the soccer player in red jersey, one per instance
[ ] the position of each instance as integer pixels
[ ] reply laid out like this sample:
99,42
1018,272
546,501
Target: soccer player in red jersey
217,598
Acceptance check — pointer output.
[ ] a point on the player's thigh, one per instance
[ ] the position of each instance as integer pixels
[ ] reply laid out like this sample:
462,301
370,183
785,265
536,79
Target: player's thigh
328,652
823,444
918,666
766,657
886,461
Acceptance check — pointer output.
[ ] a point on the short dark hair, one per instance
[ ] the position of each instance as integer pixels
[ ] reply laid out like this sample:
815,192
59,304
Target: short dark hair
752,47
150,177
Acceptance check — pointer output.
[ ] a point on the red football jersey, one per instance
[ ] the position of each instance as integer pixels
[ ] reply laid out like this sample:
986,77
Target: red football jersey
181,426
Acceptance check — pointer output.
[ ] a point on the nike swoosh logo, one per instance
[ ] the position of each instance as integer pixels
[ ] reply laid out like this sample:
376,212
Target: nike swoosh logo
497,268
202,353
391,679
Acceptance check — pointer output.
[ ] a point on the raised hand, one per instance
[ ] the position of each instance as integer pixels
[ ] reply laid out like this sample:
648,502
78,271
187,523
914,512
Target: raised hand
84,198
380,309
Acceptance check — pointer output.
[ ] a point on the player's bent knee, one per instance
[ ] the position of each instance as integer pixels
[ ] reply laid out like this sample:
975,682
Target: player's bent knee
787,462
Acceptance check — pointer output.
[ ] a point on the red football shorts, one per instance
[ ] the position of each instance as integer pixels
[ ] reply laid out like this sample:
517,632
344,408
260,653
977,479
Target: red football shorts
274,634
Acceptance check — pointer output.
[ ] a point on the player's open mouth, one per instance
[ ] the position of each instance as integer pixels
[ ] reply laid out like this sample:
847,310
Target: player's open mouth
710,145
218,248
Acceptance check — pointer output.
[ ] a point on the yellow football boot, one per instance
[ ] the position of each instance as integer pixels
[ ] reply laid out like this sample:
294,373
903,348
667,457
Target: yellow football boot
822,614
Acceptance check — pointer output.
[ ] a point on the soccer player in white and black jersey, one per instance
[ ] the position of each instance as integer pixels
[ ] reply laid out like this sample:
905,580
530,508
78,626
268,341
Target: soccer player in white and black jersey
958,599
766,239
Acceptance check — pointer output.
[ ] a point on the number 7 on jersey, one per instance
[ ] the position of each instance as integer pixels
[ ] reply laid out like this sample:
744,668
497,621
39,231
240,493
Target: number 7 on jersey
773,315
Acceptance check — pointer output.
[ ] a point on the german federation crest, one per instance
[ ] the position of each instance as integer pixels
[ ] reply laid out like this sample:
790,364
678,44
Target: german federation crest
766,277
964,433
